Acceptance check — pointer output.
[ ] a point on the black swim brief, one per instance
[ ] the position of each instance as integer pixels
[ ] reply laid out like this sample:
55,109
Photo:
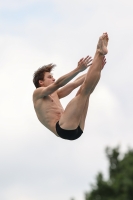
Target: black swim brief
68,134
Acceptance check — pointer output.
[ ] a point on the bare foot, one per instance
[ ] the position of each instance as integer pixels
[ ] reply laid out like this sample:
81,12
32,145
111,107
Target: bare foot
102,44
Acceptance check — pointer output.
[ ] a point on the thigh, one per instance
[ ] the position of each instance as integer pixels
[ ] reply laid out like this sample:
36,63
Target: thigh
71,117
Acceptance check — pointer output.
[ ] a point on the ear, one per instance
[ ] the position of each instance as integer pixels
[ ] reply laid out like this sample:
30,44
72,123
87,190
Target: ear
41,82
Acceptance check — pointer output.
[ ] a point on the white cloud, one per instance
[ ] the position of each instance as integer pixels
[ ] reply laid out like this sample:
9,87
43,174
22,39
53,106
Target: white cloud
14,4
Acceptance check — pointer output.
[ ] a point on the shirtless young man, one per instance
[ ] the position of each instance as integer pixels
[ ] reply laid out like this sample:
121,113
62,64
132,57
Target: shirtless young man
69,123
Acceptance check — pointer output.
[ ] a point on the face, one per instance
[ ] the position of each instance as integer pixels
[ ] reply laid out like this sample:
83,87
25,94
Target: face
48,79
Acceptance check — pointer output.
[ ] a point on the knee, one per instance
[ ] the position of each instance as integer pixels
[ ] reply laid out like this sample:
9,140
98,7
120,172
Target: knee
85,91
83,94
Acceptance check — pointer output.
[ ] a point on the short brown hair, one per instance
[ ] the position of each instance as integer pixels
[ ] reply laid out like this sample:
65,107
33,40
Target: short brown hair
39,74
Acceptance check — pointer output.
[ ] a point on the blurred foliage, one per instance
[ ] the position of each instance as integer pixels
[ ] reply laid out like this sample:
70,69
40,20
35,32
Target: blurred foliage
119,185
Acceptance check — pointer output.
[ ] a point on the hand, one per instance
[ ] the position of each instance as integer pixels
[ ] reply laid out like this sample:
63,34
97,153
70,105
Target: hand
104,62
84,63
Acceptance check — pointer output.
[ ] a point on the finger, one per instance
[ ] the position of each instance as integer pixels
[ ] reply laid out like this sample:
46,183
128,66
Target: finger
104,63
87,57
86,61
89,64
80,60
90,60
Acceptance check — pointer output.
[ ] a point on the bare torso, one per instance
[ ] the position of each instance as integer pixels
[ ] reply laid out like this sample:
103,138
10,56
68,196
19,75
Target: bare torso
49,111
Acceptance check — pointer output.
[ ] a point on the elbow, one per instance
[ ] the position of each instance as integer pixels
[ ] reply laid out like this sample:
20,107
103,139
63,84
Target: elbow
74,85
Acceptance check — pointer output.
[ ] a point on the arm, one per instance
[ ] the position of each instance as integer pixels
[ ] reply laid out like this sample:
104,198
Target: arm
83,64
45,91
67,89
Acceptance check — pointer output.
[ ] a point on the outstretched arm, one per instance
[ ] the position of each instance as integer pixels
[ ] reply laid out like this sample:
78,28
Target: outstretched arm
83,64
67,89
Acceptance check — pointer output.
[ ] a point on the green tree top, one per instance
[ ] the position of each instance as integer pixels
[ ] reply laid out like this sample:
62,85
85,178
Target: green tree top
119,185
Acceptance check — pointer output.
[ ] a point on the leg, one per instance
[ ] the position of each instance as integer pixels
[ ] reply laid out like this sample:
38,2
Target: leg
84,112
76,110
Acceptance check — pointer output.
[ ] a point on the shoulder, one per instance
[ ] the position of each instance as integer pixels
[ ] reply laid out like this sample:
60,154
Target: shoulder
38,92
42,92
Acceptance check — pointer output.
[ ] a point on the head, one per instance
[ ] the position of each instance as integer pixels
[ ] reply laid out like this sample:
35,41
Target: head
43,77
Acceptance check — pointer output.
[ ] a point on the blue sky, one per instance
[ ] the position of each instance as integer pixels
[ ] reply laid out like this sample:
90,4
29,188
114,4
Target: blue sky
35,164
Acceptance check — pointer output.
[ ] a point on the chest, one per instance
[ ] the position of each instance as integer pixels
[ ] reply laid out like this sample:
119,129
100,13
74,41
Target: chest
54,98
